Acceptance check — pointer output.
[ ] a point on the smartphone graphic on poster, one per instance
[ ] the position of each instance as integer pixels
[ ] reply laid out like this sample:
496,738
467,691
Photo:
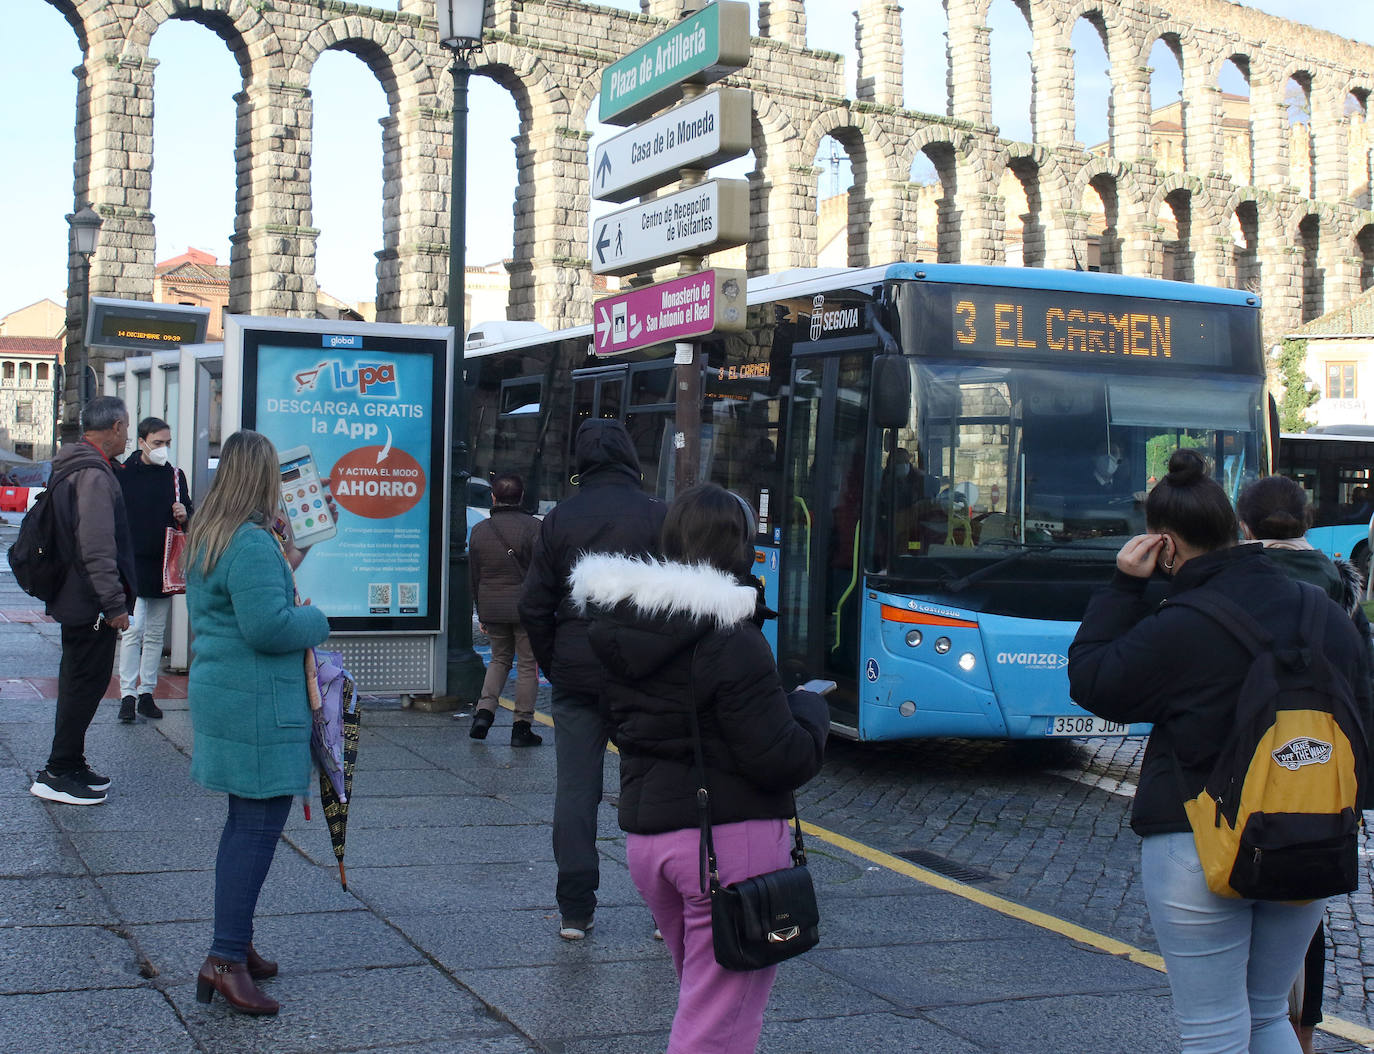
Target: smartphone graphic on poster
304,497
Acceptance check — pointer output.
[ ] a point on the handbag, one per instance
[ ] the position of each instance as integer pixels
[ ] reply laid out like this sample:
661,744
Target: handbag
174,550
758,921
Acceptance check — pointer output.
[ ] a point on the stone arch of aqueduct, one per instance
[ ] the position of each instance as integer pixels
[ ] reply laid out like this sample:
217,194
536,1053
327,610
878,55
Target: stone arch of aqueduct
1307,230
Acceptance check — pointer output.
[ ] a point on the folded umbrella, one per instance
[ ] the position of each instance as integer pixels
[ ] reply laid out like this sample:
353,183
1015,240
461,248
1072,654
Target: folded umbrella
334,741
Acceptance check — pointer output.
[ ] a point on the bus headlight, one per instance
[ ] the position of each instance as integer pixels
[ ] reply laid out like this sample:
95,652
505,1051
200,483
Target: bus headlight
967,662
914,638
942,645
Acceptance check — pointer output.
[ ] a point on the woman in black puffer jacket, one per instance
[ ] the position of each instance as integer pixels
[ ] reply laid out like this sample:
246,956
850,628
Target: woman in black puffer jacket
1230,961
684,633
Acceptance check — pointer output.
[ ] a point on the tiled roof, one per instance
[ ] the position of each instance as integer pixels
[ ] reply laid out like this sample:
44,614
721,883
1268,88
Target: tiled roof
1355,319
186,271
31,345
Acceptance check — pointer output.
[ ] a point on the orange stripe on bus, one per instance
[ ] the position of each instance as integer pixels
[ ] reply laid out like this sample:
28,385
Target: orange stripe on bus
892,614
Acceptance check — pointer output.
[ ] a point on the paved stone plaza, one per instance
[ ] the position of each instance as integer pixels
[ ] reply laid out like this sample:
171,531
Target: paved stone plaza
446,939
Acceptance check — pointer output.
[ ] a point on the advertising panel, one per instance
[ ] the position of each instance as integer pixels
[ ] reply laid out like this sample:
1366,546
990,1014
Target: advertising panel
358,415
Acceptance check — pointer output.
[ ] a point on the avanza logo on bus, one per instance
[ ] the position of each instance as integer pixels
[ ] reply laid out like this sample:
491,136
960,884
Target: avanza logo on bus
1036,660
376,380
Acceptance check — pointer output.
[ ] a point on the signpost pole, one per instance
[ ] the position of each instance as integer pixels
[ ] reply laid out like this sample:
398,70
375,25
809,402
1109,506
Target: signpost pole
465,667
688,439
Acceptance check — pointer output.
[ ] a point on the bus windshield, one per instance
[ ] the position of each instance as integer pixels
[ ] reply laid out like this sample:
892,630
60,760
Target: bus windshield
1000,458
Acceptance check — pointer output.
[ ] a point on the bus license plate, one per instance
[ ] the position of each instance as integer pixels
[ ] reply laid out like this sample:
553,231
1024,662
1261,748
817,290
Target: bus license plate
1084,726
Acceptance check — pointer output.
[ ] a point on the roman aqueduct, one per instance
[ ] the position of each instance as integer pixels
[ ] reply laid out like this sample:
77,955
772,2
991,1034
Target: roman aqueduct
1298,229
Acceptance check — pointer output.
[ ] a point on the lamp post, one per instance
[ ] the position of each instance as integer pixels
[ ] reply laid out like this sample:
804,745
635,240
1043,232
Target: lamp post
85,227
460,31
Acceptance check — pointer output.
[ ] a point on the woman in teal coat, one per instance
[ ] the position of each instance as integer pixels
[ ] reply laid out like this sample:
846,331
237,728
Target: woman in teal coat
249,707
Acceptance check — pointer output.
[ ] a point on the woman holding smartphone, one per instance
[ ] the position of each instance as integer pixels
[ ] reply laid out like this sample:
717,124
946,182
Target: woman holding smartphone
249,708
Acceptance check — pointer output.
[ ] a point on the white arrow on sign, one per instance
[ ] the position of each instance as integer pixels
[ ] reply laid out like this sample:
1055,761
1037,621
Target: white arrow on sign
704,132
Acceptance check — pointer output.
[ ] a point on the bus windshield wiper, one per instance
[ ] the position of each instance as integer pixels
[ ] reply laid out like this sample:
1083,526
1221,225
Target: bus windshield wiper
958,585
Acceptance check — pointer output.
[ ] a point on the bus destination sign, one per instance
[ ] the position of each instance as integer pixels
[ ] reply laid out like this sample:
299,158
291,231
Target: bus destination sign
1045,322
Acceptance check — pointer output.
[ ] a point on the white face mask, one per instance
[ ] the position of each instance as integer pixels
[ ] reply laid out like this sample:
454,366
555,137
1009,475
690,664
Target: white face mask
159,455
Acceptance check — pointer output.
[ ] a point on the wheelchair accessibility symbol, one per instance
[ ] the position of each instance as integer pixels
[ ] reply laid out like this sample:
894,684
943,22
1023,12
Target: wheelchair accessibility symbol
871,670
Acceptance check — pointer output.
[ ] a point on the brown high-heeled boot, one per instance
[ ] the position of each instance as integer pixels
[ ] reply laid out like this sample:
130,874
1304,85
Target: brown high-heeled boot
260,969
231,980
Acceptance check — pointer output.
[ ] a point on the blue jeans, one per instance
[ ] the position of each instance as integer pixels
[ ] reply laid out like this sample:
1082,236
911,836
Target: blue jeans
1231,962
245,853
579,742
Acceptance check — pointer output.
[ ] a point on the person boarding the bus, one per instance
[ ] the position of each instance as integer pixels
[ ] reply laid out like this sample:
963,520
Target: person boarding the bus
155,495
499,557
1230,961
608,514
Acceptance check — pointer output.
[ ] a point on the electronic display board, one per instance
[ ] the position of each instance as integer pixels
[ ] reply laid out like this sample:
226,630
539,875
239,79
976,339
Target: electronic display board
359,419
1087,327
136,325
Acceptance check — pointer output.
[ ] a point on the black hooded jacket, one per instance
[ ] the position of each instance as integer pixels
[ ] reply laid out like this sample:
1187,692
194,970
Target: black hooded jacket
670,637
608,514
1179,669
149,491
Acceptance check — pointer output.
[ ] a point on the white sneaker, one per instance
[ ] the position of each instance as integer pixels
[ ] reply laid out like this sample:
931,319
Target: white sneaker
575,929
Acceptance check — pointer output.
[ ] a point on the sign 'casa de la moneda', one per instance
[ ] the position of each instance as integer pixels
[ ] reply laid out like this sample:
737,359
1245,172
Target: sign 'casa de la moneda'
1216,193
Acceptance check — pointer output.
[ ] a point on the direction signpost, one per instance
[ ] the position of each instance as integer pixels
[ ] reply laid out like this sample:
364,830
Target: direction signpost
701,49
709,130
694,305
696,219
710,215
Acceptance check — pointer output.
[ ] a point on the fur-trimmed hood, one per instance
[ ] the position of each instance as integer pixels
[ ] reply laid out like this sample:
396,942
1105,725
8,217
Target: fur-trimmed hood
646,611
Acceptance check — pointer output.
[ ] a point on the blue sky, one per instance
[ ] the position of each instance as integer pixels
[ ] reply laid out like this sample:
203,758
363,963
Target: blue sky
193,173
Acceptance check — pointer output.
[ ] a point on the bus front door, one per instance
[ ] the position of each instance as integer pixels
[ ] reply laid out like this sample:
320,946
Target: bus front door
821,583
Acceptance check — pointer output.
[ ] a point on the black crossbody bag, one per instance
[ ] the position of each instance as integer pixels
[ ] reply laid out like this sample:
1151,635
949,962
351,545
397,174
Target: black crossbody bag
757,921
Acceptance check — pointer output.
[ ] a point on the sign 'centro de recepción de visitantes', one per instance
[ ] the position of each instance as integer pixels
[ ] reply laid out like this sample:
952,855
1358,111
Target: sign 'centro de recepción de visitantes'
711,215
678,309
706,131
700,49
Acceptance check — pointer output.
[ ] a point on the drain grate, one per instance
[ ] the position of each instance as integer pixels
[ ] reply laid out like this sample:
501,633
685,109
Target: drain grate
944,866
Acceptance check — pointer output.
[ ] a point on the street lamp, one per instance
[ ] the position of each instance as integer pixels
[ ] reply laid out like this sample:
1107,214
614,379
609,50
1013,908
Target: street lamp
85,227
460,31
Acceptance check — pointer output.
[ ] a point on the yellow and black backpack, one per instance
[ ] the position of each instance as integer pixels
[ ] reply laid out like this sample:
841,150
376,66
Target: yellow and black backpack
1279,815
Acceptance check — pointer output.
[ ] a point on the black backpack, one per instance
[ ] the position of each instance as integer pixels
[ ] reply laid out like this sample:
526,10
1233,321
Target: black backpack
38,557
1278,818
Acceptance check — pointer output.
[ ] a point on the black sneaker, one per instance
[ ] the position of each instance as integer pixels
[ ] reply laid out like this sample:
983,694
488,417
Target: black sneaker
64,789
147,707
92,779
521,735
126,709
481,724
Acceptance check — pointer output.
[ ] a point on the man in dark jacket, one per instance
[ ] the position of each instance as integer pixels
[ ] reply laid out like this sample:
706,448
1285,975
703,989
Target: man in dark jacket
499,556
608,514
95,600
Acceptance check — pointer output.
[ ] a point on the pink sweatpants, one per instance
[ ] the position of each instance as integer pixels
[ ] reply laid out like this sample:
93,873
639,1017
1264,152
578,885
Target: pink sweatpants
719,1011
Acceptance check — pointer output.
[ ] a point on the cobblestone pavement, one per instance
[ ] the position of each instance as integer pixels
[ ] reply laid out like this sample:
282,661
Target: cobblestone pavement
1047,823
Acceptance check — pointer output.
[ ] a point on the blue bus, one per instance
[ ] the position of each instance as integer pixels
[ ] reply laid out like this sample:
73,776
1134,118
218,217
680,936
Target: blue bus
1335,465
945,460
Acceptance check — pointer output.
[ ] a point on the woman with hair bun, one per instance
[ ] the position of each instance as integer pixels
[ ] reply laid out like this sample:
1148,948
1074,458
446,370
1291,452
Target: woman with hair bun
1274,511
1230,961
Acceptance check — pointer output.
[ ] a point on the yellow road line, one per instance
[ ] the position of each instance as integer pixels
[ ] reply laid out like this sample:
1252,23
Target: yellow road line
1045,921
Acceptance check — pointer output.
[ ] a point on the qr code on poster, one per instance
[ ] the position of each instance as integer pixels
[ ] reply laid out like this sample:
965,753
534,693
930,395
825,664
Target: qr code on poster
408,598
379,598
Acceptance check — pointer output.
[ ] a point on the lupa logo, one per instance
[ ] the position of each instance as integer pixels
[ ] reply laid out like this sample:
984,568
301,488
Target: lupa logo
374,379
1304,750
1037,660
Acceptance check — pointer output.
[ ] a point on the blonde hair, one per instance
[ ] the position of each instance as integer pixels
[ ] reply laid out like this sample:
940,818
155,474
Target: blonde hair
247,488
